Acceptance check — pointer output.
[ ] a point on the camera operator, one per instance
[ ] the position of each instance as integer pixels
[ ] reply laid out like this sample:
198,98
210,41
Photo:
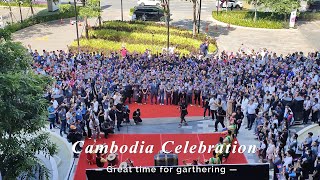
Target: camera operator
126,114
73,137
106,128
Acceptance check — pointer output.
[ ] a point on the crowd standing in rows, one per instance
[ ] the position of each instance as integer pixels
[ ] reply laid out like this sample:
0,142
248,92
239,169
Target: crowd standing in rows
91,90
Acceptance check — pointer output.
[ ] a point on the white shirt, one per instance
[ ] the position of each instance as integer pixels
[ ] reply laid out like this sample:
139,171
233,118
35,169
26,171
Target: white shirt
287,160
212,104
117,99
95,106
316,107
275,121
266,107
244,105
55,104
69,117
272,89
307,104
262,146
252,108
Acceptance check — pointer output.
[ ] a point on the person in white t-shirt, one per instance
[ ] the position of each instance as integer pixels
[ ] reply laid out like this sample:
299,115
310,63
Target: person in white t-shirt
55,104
213,106
287,160
95,105
252,106
244,105
117,98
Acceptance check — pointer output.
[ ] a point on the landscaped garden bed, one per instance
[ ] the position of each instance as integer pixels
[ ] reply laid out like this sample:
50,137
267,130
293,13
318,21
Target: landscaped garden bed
266,20
138,36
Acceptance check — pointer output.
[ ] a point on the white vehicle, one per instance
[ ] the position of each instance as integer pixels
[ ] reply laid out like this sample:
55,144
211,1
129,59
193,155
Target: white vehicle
149,2
231,4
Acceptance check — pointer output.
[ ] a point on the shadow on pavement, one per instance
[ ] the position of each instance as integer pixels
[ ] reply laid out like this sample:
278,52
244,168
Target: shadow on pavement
38,30
105,7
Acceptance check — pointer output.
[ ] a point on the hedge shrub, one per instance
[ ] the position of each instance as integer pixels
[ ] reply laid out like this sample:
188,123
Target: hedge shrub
112,46
145,38
246,18
149,27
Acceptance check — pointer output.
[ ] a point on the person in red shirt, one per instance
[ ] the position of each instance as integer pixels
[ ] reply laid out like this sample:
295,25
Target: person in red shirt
123,51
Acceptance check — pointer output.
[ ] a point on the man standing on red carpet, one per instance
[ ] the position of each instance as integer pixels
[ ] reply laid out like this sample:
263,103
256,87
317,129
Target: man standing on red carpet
183,112
154,89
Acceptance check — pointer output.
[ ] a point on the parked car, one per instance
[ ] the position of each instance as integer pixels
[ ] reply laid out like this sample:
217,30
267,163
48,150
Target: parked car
148,13
314,5
149,2
231,4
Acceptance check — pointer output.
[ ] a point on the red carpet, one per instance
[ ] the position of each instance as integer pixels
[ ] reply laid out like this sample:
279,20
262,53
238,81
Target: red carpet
156,140
158,111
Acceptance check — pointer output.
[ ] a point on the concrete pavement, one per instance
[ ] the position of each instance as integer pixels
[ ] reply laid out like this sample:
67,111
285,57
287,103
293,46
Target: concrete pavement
54,35
16,17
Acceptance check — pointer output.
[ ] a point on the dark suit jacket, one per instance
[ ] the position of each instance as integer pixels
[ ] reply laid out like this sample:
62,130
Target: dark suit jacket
154,89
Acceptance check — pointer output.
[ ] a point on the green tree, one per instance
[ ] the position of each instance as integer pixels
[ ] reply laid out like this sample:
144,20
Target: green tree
91,9
282,7
194,15
23,112
256,3
195,12
30,3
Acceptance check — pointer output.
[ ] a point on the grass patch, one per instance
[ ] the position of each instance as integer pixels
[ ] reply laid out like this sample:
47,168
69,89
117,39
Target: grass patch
246,18
145,38
149,27
102,45
139,36
309,16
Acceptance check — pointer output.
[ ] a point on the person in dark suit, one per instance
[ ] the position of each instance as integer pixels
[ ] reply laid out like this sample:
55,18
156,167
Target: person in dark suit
183,95
183,112
221,114
136,116
128,92
107,128
126,114
154,89
73,137
139,97
112,115
119,115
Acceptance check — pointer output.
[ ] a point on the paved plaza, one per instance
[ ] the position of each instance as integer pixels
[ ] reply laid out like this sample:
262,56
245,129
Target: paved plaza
305,38
59,34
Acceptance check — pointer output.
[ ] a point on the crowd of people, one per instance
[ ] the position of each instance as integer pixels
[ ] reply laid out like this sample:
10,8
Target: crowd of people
92,90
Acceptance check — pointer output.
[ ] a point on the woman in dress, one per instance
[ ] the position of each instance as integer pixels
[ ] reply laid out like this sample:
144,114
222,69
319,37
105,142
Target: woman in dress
230,101
145,90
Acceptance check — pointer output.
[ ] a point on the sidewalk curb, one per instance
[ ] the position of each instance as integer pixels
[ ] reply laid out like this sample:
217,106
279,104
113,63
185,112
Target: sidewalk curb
304,130
67,144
